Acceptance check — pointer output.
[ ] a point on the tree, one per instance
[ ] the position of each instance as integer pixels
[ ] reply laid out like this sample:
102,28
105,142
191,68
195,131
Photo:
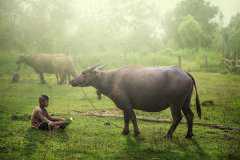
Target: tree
8,23
190,33
202,12
232,36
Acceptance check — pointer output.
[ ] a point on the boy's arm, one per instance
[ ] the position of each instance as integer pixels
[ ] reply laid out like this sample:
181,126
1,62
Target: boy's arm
54,118
43,118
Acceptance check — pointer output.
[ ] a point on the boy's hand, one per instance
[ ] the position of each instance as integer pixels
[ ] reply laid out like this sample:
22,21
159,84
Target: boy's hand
50,123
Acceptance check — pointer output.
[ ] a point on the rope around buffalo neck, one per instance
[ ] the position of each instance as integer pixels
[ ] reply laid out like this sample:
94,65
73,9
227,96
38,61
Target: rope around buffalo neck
94,107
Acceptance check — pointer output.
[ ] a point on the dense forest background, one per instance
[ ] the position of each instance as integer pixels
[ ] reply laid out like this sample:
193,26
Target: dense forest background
85,27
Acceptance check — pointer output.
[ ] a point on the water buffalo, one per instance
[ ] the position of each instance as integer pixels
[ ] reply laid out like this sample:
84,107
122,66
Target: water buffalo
15,77
58,64
150,89
65,68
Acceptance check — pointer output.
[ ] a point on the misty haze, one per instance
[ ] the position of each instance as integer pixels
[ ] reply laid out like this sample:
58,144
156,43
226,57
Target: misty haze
119,79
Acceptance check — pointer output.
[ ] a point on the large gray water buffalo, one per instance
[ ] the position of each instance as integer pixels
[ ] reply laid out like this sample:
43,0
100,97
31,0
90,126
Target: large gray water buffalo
150,89
59,64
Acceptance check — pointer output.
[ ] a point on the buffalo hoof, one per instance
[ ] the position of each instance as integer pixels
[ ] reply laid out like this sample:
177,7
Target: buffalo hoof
189,136
168,137
125,132
136,133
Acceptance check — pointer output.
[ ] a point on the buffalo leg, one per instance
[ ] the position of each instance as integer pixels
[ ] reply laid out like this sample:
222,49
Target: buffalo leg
135,125
99,95
58,78
126,113
62,77
65,79
177,116
122,102
189,116
42,78
69,77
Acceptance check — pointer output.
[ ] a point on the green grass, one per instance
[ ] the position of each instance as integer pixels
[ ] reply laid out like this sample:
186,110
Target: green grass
89,138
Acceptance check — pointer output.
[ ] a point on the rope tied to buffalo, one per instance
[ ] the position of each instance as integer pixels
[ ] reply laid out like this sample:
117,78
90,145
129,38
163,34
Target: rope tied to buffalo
95,108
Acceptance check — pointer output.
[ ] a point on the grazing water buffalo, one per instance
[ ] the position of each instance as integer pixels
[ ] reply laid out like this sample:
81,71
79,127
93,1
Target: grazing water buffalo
150,89
15,77
58,64
65,68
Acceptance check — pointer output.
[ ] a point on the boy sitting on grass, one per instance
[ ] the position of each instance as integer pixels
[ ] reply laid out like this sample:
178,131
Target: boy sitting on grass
42,120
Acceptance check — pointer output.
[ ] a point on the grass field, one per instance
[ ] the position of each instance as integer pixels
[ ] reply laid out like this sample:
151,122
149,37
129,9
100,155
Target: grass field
90,138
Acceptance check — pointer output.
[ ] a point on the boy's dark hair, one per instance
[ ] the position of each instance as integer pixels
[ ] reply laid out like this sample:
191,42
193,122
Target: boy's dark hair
43,97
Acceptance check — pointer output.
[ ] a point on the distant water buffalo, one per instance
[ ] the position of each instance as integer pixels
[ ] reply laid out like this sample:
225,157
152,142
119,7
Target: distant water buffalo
150,89
15,77
58,64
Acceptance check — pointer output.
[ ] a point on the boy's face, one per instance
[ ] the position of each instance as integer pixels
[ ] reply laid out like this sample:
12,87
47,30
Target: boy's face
43,103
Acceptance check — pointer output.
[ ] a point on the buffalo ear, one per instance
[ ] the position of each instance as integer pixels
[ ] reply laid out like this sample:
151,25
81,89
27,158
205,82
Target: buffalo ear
93,67
101,67
95,71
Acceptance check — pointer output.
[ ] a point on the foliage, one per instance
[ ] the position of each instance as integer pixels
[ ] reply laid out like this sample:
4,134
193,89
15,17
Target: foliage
35,26
232,36
190,33
203,14
56,26
8,23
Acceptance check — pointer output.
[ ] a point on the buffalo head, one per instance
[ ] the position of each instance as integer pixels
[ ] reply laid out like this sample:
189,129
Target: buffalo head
21,59
88,77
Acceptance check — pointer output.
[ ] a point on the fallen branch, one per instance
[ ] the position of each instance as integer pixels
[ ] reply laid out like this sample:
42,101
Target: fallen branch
147,119
104,114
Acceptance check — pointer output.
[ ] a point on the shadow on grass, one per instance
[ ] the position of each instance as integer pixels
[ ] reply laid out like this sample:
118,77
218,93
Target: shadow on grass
32,139
138,148
37,140
199,150
192,149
